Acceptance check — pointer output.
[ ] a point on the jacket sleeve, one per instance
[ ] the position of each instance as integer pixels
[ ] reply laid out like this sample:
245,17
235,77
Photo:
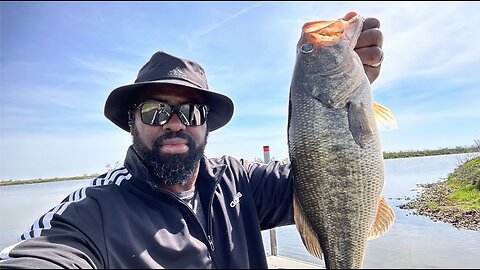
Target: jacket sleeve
68,236
272,188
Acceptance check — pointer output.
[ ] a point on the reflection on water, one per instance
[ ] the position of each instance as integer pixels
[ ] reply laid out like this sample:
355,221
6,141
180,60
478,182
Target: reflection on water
413,241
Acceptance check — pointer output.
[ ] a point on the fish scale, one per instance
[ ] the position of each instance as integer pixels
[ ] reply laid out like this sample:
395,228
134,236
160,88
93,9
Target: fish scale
335,150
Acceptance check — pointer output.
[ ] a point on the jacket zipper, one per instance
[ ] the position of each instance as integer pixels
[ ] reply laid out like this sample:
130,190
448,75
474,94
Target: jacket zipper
212,246
209,219
208,233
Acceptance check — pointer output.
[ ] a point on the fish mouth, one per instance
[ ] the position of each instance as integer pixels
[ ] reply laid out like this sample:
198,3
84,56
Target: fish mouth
319,34
327,33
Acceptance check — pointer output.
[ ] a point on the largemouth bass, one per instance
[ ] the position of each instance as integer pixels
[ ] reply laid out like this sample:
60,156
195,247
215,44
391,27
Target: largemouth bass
334,146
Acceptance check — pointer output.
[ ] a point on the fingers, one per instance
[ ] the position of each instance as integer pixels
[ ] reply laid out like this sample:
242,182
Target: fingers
370,37
372,72
369,46
349,15
371,56
370,23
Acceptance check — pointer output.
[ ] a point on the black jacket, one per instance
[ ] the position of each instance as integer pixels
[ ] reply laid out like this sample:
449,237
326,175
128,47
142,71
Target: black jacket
124,221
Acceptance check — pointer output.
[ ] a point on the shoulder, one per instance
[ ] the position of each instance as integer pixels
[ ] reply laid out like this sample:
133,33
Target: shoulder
102,188
235,168
98,187
112,177
231,163
229,160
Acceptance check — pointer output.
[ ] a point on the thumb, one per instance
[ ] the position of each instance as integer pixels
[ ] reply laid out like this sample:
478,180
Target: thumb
349,15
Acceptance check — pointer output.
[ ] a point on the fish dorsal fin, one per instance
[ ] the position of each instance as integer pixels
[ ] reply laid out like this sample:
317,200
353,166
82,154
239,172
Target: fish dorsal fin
383,220
384,117
309,237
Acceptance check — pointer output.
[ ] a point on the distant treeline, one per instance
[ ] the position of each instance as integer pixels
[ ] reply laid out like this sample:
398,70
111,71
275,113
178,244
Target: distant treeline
386,155
415,153
422,153
42,180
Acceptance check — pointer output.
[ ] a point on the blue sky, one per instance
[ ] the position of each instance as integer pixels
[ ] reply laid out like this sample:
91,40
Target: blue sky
60,60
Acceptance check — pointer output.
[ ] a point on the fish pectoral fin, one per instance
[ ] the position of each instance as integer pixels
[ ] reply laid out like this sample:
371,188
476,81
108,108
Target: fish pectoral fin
384,117
383,220
358,123
309,237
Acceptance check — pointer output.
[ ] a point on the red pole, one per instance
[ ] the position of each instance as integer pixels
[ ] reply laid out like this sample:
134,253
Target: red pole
266,154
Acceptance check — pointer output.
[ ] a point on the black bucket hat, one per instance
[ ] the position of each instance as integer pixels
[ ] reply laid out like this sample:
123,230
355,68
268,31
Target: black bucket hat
164,68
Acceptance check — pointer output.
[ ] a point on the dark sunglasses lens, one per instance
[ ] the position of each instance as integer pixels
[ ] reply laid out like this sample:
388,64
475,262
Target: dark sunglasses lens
155,113
192,114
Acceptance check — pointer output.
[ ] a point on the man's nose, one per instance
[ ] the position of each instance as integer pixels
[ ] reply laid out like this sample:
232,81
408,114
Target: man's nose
174,124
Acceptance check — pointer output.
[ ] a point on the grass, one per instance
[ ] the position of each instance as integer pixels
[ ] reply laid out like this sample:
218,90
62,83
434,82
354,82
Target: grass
414,153
422,153
466,198
464,182
455,200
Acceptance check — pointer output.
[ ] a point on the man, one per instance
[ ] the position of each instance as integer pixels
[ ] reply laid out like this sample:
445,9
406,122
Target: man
169,206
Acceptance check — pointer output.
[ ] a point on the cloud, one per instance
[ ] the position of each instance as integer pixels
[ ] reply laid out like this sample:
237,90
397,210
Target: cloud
27,106
427,40
113,69
219,24
36,155
428,78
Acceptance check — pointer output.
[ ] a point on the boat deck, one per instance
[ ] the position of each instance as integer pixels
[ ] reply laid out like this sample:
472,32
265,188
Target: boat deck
280,262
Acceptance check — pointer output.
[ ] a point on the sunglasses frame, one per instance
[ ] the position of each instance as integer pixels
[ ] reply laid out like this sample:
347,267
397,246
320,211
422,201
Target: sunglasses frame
174,109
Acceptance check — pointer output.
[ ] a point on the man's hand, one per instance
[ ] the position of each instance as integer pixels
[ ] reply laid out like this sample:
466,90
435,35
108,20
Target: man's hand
369,47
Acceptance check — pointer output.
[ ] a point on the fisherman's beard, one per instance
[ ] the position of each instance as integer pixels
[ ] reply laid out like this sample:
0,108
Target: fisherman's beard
169,169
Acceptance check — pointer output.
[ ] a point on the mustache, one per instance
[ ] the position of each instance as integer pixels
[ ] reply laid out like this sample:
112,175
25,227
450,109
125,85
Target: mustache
158,141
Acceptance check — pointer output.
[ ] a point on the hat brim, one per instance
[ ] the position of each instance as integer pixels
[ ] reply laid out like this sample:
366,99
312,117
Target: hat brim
122,99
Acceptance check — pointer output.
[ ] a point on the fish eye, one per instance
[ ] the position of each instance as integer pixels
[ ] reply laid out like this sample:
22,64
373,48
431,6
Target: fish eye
306,48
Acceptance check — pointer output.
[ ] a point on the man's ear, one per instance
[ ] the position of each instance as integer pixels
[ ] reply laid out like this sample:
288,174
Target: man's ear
131,119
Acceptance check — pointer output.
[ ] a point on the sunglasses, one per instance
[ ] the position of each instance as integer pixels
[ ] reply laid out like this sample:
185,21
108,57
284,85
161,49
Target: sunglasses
158,113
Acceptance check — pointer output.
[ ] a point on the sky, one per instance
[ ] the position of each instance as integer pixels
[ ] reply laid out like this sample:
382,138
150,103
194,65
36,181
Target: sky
60,60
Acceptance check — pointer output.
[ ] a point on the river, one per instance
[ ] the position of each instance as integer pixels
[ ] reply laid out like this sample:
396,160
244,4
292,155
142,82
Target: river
412,242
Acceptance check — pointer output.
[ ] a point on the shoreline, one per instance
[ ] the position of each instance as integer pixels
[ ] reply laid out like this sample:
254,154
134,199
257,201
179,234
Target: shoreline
390,155
440,201
437,193
427,153
46,180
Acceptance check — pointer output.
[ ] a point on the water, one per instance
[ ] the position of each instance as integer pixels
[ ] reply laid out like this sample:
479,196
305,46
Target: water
413,241
21,205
